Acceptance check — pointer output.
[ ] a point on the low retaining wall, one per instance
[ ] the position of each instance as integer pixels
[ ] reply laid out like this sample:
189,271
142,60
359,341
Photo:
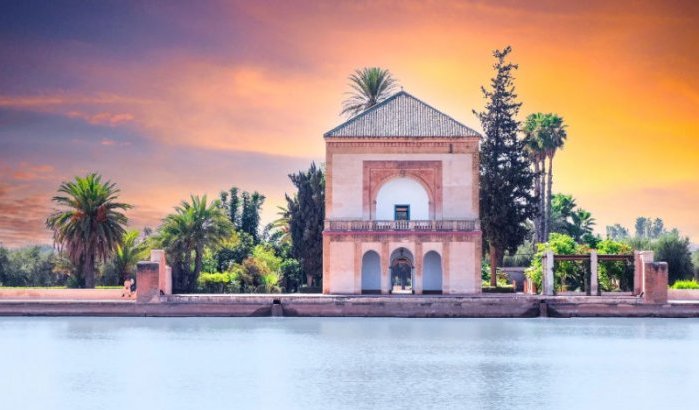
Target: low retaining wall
59,294
683,294
510,306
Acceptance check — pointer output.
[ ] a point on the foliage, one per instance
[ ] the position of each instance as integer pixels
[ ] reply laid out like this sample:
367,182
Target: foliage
234,250
217,282
259,273
184,234
569,219
614,274
30,266
617,232
244,211
506,178
685,284
292,275
306,215
126,255
695,262
674,250
370,86
544,134
90,223
521,257
565,272
649,228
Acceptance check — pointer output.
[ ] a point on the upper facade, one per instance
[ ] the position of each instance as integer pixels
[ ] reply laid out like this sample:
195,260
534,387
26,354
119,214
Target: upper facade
401,159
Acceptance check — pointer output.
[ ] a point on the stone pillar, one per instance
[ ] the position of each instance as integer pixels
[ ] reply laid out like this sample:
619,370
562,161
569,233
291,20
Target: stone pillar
655,282
419,269
357,267
547,276
147,286
594,282
385,269
164,271
640,258
446,267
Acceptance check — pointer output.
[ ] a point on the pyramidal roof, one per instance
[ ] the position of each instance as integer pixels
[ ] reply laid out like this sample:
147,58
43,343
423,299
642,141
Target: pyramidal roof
401,115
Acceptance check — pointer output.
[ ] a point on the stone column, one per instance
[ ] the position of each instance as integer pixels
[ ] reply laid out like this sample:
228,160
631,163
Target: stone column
655,282
164,271
385,268
547,277
594,283
147,278
640,258
357,267
419,269
446,267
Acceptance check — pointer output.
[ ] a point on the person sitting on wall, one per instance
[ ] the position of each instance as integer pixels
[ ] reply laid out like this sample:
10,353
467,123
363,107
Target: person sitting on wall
126,291
129,288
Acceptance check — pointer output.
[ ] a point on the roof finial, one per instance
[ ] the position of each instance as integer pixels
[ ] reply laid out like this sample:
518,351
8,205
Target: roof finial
401,88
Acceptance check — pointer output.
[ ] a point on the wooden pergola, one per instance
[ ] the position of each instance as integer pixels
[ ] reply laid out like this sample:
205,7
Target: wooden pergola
593,258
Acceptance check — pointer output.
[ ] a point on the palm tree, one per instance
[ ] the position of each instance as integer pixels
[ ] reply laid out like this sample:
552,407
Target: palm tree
582,224
127,254
90,225
370,86
534,144
194,226
281,224
554,134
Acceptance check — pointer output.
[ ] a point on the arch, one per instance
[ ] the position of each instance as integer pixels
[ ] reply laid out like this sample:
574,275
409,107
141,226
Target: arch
403,190
371,272
402,271
432,273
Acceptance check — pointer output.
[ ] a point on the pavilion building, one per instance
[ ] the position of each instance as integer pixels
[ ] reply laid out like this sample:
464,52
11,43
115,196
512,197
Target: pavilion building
401,202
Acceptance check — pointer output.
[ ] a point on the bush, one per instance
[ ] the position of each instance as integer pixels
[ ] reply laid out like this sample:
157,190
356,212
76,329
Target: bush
217,282
564,272
674,250
685,284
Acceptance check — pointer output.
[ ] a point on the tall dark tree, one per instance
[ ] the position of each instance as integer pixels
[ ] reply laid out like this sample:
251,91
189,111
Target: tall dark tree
306,215
250,214
244,210
506,176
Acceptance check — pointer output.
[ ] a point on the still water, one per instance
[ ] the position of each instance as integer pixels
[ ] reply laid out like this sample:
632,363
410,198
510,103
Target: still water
348,363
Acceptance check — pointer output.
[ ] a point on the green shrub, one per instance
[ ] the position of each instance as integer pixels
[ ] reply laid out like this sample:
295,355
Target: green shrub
217,282
685,284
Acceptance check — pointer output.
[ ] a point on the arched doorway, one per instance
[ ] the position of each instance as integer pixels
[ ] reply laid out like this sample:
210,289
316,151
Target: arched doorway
371,273
402,271
432,273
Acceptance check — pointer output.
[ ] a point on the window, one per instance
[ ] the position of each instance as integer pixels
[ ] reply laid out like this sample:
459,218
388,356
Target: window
402,213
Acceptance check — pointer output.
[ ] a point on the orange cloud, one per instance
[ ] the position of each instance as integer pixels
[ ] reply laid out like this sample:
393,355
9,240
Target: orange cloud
29,172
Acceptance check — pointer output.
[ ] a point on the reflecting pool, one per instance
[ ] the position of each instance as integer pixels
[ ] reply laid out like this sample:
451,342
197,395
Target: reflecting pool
348,363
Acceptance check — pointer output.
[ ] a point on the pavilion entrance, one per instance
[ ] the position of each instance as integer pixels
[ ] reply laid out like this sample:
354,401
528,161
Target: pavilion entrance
402,271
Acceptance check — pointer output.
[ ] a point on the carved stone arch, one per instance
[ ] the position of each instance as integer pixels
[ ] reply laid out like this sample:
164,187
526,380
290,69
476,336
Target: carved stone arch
426,173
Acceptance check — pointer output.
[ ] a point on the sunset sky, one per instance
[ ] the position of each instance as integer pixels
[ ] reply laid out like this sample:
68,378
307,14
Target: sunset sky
170,98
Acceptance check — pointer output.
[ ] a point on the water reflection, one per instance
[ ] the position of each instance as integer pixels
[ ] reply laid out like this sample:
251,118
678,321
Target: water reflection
352,363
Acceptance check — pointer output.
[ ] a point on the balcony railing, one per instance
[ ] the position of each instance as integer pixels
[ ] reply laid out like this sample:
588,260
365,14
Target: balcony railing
415,226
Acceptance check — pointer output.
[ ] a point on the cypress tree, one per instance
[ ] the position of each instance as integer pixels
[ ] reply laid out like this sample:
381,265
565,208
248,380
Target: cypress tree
506,177
306,210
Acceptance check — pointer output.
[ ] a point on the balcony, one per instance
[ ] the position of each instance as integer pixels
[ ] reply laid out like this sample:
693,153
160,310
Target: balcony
411,226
